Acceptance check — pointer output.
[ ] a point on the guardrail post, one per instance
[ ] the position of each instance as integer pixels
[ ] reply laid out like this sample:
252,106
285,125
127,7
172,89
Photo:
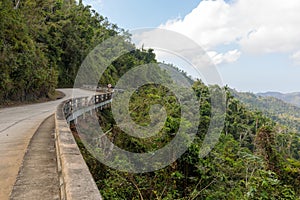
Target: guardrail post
77,182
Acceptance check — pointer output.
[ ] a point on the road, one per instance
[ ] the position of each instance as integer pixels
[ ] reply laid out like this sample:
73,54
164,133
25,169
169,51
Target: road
17,126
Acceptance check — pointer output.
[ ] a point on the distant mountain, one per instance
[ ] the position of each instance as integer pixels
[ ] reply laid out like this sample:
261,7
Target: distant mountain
280,111
293,98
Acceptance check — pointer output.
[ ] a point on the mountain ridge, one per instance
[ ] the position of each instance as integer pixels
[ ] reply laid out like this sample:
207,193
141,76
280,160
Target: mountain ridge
292,98
281,111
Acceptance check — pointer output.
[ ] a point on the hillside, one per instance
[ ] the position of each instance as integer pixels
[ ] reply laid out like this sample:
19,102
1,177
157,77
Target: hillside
43,44
278,110
292,98
254,158
257,156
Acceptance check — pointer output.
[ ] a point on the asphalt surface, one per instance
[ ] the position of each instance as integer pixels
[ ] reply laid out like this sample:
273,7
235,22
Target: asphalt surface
17,127
38,178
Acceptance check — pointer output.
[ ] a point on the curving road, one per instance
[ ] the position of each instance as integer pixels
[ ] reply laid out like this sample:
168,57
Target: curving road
17,126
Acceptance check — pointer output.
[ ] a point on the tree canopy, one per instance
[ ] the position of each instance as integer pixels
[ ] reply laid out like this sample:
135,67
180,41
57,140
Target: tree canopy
43,43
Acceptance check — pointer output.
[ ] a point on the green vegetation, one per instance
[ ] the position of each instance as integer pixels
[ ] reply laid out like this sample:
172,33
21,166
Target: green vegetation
283,113
292,98
254,158
42,45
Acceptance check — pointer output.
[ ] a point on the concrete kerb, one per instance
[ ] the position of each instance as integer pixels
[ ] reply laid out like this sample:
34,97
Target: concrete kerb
76,181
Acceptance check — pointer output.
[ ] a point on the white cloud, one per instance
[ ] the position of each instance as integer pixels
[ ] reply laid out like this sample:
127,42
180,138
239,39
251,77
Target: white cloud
206,24
170,45
296,58
256,26
228,57
175,48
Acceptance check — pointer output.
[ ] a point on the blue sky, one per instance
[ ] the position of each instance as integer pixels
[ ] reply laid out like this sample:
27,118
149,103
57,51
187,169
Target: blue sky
254,46
131,14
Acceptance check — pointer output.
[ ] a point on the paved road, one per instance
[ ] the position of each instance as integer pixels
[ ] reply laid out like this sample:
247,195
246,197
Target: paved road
38,178
17,126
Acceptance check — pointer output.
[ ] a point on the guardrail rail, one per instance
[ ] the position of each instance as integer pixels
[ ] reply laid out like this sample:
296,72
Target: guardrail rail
76,181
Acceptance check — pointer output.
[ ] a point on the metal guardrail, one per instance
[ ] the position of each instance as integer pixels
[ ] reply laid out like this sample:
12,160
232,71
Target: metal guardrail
76,181
74,108
102,88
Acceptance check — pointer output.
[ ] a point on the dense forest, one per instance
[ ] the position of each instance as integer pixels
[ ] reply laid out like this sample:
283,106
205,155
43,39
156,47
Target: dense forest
255,158
292,98
42,45
284,113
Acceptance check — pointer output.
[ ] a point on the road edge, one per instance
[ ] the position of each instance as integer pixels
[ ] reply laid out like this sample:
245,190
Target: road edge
76,181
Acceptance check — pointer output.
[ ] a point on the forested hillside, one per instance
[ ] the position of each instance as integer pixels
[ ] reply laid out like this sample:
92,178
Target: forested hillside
284,113
254,158
43,43
292,98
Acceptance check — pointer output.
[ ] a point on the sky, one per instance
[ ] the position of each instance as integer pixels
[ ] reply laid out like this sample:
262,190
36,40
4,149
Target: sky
255,44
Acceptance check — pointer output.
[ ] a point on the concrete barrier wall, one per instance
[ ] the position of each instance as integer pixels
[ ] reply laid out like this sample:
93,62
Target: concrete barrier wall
76,181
